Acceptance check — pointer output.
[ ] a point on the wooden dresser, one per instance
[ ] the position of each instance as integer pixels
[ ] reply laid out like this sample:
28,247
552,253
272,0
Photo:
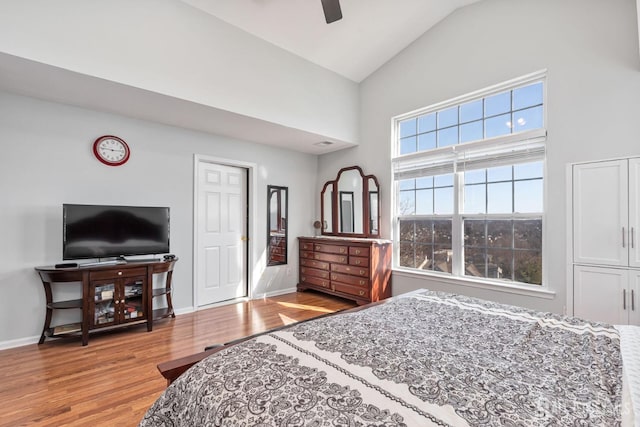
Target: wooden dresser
357,269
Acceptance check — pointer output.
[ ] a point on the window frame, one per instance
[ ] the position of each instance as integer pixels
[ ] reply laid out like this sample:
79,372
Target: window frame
442,154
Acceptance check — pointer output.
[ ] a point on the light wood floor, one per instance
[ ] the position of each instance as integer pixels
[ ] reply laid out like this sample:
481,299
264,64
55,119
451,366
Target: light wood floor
113,380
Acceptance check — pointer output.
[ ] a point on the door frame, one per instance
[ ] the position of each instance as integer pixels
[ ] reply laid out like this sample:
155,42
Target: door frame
252,206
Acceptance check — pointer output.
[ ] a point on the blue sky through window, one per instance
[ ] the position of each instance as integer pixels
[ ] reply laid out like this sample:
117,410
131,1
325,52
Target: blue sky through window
501,114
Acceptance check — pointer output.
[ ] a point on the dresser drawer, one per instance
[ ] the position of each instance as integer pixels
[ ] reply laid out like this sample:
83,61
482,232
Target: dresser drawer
352,290
359,261
342,259
315,281
359,251
306,246
315,264
275,257
306,254
351,280
349,269
276,250
306,271
332,249
114,274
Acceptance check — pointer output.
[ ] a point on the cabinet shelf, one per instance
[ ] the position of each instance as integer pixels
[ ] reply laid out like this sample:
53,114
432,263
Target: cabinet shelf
64,330
160,291
76,303
161,313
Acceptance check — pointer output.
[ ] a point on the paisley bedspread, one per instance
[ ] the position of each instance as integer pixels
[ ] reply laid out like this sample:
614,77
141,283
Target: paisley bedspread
422,359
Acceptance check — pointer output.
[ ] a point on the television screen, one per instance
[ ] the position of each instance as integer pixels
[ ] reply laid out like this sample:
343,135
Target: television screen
95,231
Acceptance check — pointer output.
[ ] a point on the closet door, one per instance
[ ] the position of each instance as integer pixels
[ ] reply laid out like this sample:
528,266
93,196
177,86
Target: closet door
600,213
601,294
634,212
634,289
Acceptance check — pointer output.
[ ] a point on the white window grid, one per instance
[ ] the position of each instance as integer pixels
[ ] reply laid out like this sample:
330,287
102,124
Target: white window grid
521,147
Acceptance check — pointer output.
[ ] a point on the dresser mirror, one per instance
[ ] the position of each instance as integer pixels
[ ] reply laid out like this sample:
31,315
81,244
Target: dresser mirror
350,205
277,198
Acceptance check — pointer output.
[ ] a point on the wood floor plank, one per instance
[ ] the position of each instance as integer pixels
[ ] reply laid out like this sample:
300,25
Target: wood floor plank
114,379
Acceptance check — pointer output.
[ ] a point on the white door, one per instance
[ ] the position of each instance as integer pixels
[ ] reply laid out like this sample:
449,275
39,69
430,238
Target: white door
221,226
634,212
601,294
600,213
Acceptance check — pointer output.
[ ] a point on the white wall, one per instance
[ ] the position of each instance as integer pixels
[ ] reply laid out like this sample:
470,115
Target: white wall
168,47
590,49
47,160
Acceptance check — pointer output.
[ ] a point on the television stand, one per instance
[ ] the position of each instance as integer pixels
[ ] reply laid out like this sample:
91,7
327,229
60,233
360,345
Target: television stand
112,296
142,260
108,262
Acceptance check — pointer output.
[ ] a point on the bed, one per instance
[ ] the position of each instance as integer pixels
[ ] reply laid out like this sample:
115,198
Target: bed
419,359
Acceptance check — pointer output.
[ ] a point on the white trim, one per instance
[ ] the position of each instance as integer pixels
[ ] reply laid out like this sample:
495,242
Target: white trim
569,308
5,345
185,310
276,293
223,303
540,75
537,291
252,199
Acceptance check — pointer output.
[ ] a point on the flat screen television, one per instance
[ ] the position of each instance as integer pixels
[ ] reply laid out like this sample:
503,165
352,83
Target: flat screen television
98,231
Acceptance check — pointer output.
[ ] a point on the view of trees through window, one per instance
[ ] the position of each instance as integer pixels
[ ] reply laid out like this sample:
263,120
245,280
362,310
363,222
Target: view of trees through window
496,210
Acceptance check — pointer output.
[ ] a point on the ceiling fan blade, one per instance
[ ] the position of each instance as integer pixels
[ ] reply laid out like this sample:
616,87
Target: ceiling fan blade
332,11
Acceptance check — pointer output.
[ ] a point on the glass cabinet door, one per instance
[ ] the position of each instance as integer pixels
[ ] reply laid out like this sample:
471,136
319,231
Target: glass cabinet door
104,299
133,303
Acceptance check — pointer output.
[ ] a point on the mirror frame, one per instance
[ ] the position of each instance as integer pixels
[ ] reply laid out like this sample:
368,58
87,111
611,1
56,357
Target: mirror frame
335,212
282,227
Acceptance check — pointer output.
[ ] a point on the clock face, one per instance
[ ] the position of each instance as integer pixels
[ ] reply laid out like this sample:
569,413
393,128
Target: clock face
111,150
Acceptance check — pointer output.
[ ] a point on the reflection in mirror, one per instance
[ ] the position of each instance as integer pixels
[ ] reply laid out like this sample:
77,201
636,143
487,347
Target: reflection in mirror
327,218
277,199
373,209
350,204
346,212
350,182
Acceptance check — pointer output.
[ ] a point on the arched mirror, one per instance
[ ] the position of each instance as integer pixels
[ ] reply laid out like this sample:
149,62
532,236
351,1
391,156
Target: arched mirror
350,205
277,198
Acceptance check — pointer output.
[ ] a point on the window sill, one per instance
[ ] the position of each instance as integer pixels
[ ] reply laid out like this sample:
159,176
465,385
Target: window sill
528,290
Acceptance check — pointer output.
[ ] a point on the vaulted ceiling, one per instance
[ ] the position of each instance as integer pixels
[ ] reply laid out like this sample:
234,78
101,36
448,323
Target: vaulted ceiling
370,33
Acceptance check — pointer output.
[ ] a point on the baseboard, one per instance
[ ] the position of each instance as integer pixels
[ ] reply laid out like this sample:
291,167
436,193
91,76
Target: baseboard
275,293
5,345
186,310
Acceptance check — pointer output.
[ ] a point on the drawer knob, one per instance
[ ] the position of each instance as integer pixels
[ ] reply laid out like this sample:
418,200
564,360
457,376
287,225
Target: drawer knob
362,283
333,277
318,248
358,262
119,273
357,251
362,272
361,293
303,278
342,250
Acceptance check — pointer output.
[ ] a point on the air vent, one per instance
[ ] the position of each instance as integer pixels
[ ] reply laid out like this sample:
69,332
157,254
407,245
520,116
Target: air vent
323,143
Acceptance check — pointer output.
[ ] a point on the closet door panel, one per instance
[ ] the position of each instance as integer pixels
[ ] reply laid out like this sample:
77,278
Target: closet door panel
601,294
600,213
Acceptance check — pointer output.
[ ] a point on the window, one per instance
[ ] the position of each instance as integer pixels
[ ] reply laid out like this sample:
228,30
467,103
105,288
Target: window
469,180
